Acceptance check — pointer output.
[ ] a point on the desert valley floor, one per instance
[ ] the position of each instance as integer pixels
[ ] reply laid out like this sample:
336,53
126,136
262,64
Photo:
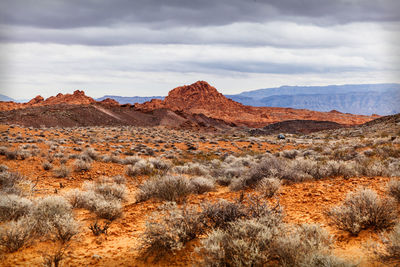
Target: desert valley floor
173,197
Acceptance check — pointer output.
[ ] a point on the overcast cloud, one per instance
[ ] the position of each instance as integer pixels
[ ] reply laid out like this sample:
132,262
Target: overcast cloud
147,47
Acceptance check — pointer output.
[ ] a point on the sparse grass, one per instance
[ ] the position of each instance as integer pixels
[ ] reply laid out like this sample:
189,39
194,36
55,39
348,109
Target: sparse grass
364,209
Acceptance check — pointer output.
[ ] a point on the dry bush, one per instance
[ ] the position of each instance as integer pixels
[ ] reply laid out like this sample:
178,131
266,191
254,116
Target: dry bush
192,169
11,154
62,171
131,160
168,187
15,234
393,247
108,209
46,211
200,185
302,241
47,166
364,209
394,188
141,167
242,243
64,227
258,242
161,165
13,207
81,165
171,228
107,188
268,186
81,199
221,213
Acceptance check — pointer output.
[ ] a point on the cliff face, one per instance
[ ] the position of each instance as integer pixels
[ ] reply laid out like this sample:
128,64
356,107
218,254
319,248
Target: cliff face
202,98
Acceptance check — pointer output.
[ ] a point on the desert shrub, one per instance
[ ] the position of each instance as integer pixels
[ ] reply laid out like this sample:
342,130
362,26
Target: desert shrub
119,179
91,153
192,169
15,234
200,185
242,243
168,187
108,209
268,167
101,198
47,165
62,171
364,209
221,213
257,242
47,210
11,154
268,186
160,165
394,188
393,248
303,240
107,188
64,227
131,160
290,154
171,228
3,168
9,182
141,167
81,165
81,199
319,259
13,207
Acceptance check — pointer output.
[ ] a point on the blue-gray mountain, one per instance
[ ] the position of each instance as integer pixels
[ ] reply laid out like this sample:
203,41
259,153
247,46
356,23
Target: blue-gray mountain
6,98
130,100
366,99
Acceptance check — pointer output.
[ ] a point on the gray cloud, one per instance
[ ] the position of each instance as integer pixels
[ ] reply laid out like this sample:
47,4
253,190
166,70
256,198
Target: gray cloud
62,14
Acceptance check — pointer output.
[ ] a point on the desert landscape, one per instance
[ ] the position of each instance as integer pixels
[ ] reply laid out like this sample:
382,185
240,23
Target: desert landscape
155,184
215,133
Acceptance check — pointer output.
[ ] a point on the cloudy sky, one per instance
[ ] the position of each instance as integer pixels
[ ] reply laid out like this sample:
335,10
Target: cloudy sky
147,47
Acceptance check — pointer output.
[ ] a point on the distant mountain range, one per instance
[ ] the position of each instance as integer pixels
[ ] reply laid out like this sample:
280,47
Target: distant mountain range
366,99
6,98
130,100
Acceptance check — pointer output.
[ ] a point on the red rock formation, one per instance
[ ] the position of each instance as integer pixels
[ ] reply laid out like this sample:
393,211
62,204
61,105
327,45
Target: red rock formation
201,98
38,99
109,102
77,98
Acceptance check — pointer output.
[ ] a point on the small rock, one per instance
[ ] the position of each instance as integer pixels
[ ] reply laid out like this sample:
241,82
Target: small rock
96,257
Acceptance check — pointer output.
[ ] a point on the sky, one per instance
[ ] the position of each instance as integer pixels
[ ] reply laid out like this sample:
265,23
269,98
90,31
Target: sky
148,47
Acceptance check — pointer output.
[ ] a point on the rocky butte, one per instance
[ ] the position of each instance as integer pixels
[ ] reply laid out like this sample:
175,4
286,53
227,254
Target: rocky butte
202,98
77,98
